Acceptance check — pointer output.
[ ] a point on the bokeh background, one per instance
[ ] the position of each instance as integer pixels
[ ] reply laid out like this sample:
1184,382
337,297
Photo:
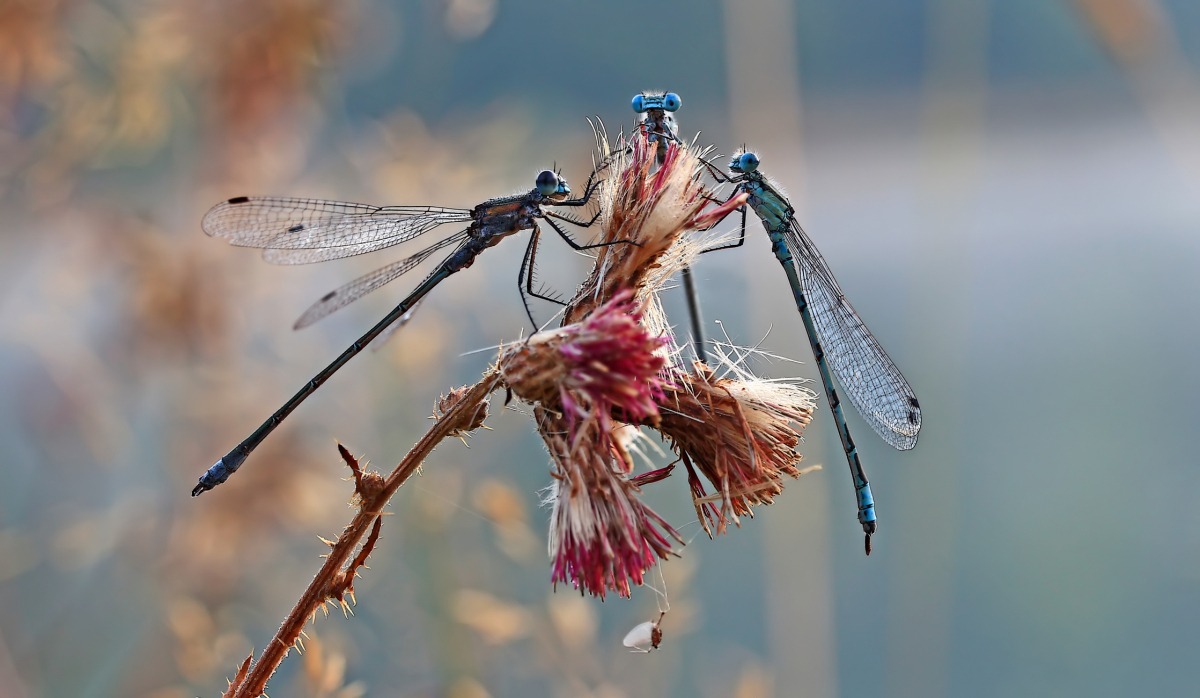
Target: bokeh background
1007,192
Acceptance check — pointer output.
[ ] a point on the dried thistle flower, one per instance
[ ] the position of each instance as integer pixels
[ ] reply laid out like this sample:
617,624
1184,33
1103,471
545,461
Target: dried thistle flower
652,211
602,537
606,364
581,377
741,433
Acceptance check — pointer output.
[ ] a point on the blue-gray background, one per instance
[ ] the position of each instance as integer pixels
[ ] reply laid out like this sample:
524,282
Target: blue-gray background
1007,192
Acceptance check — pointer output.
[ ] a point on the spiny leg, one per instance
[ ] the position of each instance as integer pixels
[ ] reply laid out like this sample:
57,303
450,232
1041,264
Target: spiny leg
590,187
717,174
574,221
576,246
521,278
531,251
741,235
689,283
525,277
693,298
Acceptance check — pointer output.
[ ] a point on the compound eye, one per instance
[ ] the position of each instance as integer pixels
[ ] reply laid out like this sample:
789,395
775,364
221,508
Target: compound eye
671,102
639,103
748,162
547,182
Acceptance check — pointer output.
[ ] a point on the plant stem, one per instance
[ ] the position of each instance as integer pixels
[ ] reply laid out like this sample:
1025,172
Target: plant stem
457,418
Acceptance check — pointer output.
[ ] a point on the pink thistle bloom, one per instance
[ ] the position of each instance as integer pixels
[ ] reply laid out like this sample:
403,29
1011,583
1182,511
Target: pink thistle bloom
602,537
604,365
582,378
613,364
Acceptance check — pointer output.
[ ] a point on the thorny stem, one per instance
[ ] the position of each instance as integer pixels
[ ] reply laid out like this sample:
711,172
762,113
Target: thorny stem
325,583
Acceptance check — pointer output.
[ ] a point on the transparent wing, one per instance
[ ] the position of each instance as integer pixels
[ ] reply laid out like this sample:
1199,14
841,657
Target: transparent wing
870,380
363,285
391,330
300,231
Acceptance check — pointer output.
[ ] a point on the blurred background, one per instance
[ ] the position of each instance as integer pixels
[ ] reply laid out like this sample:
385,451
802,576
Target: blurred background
1007,192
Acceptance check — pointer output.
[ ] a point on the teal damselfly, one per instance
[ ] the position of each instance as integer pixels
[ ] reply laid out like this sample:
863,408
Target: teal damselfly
658,126
841,343
302,231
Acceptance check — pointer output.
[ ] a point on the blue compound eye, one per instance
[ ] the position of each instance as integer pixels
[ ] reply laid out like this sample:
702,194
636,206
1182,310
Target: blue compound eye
639,104
671,102
748,162
547,183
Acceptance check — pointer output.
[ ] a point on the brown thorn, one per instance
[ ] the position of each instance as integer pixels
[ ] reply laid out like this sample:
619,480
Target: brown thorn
239,678
352,462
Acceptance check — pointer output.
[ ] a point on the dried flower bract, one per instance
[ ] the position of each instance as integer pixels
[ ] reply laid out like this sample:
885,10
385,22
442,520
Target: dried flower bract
602,537
646,215
607,363
474,421
741,434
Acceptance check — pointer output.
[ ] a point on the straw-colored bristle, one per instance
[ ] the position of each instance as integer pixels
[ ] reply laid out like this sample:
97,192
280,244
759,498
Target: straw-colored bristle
644,213
741,434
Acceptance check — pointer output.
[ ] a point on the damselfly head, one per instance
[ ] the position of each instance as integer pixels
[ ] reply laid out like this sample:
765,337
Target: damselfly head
744,163
644,102
550,183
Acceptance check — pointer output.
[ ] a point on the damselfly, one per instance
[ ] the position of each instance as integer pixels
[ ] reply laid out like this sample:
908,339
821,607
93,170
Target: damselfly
300,231
839,339
658,119
658,126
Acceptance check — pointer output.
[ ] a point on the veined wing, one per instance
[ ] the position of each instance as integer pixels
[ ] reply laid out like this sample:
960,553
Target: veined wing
391,330
365,284
299,231
870,380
